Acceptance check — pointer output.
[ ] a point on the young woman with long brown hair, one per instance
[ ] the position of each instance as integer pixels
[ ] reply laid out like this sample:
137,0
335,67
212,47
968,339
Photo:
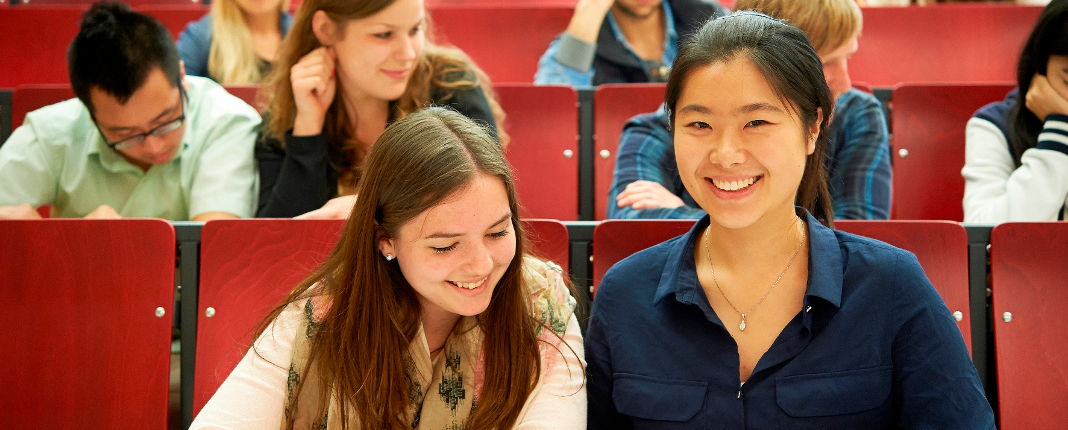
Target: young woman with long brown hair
427,315
346,70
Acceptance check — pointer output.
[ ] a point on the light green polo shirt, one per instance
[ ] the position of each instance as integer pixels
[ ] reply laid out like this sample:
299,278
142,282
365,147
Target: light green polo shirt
57,157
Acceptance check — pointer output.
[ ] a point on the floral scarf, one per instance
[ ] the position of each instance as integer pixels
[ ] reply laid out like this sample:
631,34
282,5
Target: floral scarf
441,393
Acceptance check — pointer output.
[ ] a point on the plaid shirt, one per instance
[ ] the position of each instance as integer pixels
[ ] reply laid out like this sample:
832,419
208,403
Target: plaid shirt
858,162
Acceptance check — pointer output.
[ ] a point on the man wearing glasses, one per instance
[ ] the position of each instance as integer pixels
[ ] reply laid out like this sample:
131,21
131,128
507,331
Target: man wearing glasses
140,140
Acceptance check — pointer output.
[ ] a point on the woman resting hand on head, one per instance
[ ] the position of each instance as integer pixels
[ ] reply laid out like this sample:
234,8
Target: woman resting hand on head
1016,150
428,314
346,70
237,42
762,317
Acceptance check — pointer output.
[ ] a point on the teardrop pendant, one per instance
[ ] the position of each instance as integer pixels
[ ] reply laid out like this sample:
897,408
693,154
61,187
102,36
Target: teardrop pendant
742,325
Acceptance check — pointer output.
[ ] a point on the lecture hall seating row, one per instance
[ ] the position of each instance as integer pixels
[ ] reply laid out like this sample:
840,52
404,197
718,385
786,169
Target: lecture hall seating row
89,305
927,128
945,43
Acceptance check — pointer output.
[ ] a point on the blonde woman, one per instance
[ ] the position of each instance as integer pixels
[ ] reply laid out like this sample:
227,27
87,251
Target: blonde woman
237,42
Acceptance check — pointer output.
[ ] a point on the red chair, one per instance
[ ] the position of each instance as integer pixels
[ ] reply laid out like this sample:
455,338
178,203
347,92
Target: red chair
87,309
613,105
28,98
35,38
548,239
33,48
614,240
945,43
928,146
543,124
505,41
1028,264
942,249
246,268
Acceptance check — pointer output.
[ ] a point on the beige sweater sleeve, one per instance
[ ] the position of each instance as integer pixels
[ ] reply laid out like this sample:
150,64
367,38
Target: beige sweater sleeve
559,400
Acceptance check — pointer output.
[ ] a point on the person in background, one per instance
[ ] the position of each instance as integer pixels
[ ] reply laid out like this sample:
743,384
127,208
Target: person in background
622,41
761,316
140,140
428,314
646,182
1016,150
347,69
236,43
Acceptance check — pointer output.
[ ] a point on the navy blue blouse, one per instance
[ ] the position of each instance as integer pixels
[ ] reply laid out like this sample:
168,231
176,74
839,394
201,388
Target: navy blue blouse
874,347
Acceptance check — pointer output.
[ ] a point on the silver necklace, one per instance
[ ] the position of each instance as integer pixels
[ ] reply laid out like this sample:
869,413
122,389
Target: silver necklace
709,255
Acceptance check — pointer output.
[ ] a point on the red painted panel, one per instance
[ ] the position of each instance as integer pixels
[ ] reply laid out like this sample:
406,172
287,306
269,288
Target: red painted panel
943,43
543,124
1028,266
33,56
28,98
942,250
548,239
246,268
505,41
928,129
613,105
614,240
82,345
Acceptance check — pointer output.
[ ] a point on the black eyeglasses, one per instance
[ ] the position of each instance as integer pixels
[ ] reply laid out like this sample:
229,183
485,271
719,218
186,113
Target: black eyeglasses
160,131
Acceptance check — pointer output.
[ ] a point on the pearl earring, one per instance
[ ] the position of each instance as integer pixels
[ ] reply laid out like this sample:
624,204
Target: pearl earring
389,257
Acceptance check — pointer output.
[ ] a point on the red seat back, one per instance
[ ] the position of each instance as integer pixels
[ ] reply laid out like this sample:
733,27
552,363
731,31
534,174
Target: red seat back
543,124
548,239
928,146
34,47
87,309
28,98
1028,267
35,38
943,43
614,240
246,268
942,250
613,105
504,40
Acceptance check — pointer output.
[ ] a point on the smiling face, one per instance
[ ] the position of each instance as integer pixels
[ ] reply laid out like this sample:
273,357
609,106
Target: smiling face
157,102
377,54
740,150
456,252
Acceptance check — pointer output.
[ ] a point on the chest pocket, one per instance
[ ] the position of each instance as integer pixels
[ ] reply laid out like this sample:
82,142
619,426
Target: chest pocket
655,399
849,399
